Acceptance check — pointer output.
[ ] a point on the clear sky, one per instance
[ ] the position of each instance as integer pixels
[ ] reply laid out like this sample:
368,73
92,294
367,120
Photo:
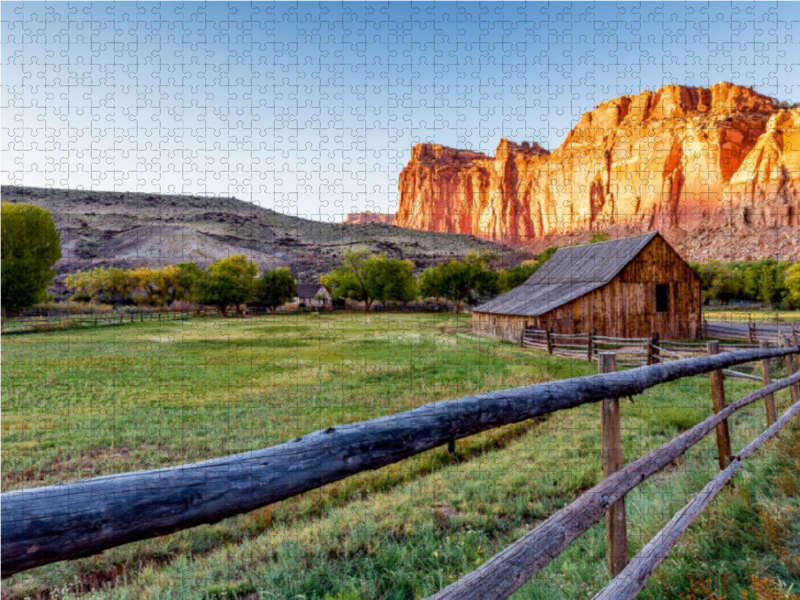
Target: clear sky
312,108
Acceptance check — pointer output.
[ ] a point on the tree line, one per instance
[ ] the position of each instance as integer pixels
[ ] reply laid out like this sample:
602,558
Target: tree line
31,247
231,282
776,283
226,284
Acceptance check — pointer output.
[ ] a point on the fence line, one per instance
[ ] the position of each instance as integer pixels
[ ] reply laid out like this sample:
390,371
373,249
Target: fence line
508,570
633,578
66,321
52,523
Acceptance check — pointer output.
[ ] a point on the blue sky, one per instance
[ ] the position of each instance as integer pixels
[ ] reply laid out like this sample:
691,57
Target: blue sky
312,108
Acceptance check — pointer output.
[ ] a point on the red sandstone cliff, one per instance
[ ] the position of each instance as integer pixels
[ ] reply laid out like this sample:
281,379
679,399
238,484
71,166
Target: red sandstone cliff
678,158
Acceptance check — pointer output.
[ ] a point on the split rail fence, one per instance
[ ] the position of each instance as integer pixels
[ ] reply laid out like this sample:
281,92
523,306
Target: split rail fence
66,521
55,322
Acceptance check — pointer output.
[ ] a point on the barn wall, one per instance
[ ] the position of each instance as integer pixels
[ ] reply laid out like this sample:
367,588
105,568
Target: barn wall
502,327
626,307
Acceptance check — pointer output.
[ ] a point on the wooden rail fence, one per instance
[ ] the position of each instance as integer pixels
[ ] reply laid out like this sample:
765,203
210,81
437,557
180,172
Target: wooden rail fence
46,322
58,522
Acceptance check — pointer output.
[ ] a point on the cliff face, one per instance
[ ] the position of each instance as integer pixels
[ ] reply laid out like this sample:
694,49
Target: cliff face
679,157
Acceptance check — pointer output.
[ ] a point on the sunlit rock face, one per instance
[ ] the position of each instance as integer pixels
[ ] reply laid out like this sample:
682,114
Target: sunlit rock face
680,157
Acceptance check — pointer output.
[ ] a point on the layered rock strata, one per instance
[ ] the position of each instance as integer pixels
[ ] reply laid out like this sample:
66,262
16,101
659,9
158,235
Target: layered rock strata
680,157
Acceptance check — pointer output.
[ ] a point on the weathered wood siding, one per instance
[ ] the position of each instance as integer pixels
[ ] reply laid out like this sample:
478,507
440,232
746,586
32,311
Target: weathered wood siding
625,307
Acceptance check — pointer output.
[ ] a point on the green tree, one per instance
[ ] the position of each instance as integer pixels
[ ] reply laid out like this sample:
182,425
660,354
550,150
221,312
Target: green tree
793,285
765,280
517,275
30,249
719,281
545,254
275,287
460,280
391,280
236,265
188,276
227,282
366,277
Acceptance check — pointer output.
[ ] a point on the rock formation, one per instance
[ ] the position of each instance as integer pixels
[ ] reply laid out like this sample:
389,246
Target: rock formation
679,158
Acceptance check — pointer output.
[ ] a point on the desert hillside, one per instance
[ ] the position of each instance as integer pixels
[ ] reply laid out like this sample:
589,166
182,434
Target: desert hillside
127,229
716,170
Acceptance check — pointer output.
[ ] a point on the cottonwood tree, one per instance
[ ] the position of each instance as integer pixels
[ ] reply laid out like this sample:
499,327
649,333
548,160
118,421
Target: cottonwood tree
275,287
460,280
227,282
366,277
30,249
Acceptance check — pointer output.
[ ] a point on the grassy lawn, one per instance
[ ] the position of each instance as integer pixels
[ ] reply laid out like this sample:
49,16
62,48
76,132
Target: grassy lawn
725,314
77,404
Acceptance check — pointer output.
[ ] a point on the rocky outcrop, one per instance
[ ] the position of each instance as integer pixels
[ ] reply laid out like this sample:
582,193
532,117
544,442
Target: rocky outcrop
680,157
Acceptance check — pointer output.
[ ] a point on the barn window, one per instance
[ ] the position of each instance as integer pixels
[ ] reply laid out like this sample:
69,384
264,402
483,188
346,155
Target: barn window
661,298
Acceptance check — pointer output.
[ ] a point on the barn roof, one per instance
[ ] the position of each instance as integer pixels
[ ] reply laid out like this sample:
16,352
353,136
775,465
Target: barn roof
308,290
567,275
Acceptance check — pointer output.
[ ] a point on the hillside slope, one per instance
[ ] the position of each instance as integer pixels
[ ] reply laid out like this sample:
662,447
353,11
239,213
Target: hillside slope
129,229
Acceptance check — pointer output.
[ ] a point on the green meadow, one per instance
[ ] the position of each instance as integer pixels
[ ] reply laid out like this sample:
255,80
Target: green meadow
83,403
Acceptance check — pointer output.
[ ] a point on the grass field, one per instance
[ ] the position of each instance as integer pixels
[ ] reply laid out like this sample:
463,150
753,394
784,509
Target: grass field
724,314
77,404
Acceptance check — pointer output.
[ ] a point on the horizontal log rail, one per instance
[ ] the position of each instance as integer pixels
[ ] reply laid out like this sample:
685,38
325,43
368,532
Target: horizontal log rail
58,522
634,577
508,570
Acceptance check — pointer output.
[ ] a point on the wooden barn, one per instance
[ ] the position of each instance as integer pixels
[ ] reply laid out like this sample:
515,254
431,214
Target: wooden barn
631,287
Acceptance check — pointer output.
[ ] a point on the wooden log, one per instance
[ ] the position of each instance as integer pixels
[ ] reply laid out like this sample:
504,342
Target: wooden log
589,350
766,379
508,570
549,341
718,398
630,582
52,523
616,528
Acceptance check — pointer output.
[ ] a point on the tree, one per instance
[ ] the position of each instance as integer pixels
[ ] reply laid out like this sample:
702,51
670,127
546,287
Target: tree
188,276
227,282
221,291
517,275
30,249
764,280
366,277
236,265
159,286
275,287
545,254
718,281
459,280
391,280
793,285
103,284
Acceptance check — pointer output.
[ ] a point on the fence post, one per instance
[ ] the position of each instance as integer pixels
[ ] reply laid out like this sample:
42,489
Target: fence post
718,397
589,351
790,366
751,332
549,334
616,527
766,379
522,337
